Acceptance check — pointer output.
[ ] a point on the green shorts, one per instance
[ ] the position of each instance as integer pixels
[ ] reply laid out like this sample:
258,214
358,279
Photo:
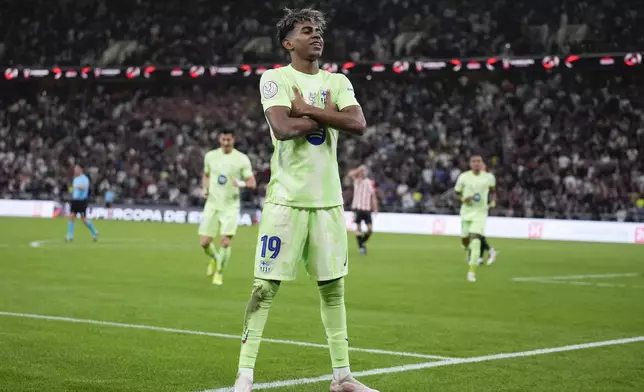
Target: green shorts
472,226
290,235
217,222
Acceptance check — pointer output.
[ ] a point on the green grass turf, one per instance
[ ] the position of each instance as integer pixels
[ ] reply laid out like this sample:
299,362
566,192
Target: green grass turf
408,294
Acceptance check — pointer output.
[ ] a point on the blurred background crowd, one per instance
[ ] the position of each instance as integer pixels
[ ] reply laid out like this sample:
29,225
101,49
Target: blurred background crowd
562,145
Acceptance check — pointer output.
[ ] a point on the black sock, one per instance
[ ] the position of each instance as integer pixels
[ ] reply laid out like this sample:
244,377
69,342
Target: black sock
484,245
360,239
366,237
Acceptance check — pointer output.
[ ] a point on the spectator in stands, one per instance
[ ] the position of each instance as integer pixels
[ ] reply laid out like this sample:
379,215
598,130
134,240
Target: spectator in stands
215,32
560,146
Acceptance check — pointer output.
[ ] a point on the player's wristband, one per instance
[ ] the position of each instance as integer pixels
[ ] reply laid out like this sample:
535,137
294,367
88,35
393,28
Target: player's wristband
241,184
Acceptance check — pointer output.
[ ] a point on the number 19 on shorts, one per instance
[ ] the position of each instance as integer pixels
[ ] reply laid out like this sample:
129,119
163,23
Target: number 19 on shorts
270,244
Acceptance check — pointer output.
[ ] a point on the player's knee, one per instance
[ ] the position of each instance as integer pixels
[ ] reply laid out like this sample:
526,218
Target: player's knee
332,292
263,293
205,241
225,241
369,229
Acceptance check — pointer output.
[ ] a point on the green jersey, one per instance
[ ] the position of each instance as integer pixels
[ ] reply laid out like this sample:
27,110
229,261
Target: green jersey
222,168
304,171
478,187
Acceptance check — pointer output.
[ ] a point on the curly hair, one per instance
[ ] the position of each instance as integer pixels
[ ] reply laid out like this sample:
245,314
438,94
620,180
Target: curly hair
293,17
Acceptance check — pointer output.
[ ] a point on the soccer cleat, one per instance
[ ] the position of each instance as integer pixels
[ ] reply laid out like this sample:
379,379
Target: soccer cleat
212,267
492,256
218,279
68,239
471,277
480,261
243,384
349,384
363,250
95,238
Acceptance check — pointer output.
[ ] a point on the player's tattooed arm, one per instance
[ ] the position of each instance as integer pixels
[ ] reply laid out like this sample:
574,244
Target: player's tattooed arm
350,119
286,127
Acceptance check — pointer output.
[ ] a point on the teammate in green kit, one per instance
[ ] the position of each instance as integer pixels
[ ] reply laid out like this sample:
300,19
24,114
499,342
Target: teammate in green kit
226,170
303,217
475,189
485,245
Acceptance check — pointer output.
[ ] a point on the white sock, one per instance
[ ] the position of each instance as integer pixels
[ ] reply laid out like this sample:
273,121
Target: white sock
341,373
246,372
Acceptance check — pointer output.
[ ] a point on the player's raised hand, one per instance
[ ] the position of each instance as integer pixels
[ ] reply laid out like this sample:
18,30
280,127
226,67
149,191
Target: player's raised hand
329,105
298,104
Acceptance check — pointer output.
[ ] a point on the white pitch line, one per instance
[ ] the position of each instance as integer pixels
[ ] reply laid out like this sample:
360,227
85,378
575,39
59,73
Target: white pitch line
576,277
580,283
214,334
106,242
446,362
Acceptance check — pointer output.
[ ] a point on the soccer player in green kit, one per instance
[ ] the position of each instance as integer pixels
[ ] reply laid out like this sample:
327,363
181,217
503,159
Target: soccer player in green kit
226,170
475,189
303,217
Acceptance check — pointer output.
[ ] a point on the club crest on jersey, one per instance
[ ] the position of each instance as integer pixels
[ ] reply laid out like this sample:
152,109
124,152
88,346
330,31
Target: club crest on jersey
222,180
313,98
317,137
265,266
323,94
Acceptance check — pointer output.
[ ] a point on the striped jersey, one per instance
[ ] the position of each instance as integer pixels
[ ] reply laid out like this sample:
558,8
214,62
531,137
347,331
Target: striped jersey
363,191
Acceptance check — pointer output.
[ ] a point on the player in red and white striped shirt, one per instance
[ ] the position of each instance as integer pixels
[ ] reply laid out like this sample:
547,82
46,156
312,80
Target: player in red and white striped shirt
365,202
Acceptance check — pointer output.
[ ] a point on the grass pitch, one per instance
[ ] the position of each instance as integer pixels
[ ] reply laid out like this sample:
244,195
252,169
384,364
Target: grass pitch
408,295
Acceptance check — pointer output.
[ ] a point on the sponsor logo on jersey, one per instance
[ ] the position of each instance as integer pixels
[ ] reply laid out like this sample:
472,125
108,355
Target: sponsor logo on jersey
317,137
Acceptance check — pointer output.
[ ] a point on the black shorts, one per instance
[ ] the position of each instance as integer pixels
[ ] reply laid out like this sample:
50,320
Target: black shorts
79,207
362,216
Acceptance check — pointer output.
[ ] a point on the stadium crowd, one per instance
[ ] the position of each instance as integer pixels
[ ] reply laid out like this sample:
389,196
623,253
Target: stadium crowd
561,145
66,32
566,145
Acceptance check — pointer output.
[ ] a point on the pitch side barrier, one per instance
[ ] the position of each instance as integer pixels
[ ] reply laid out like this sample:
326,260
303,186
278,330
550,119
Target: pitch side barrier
426,224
